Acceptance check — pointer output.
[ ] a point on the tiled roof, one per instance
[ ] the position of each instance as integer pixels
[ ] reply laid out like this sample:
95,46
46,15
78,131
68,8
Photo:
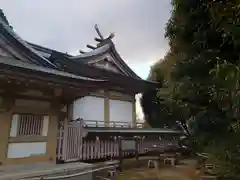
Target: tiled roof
16,63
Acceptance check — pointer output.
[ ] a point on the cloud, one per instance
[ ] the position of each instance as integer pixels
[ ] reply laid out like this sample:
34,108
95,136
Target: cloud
68,25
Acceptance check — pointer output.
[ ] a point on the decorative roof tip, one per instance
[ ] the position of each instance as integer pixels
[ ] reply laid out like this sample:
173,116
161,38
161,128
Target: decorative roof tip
101,41
111,36
91,47
98,31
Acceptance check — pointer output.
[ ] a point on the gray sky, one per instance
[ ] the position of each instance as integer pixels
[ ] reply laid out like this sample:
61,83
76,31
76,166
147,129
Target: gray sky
68,25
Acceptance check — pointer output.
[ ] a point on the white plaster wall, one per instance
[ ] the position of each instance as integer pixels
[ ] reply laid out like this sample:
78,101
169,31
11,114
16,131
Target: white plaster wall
20,150
120,111
89,108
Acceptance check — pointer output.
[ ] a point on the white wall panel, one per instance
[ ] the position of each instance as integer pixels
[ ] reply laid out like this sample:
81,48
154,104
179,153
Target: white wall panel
20,150
120,111
89,108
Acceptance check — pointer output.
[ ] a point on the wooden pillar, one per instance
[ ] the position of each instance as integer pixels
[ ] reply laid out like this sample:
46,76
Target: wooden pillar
106,110
134,116
136,148
5,120
52,131
120,155
106,107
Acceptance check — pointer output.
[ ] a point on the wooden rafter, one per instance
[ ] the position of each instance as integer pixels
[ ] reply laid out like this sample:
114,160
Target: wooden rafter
91,47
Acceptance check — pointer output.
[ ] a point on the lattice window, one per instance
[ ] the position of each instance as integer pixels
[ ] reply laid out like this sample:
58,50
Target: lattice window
30,125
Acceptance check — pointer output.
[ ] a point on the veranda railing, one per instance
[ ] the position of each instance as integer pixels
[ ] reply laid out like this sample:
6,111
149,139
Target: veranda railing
73,144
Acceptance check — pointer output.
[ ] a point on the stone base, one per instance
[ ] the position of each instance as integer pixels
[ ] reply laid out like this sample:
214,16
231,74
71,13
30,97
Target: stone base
170,161
111,173
153,164
63,171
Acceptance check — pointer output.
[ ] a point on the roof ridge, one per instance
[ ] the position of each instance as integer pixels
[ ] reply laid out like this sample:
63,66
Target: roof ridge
14,35
3,17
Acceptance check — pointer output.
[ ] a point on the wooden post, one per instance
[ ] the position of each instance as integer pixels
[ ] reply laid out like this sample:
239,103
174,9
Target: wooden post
5,128
65,140
134,118
106,109
136,148
120,151
53,130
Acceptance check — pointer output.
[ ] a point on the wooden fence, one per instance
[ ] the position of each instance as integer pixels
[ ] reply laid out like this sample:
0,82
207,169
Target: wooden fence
72,146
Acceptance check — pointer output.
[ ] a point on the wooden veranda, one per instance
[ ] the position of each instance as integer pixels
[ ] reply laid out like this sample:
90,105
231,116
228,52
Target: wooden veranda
92,140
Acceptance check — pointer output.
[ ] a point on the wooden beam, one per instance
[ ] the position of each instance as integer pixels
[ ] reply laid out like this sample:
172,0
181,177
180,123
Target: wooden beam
57,92
98,40
28,97
82,52
38,81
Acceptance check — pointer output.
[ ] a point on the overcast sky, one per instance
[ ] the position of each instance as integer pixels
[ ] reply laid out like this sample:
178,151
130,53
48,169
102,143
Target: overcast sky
68,25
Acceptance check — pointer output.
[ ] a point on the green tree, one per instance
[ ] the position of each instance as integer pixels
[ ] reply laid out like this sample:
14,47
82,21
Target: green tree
204,35
149,100
158,107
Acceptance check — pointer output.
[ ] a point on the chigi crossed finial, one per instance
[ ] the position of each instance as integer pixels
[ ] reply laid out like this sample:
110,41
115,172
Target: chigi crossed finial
98,31
98,39
100,34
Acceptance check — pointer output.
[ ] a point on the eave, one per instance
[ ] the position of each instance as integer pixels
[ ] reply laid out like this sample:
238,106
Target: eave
136,85
121,61
20,70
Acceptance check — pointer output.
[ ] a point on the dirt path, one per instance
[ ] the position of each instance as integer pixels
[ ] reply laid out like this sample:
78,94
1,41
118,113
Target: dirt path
173,174
154,174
